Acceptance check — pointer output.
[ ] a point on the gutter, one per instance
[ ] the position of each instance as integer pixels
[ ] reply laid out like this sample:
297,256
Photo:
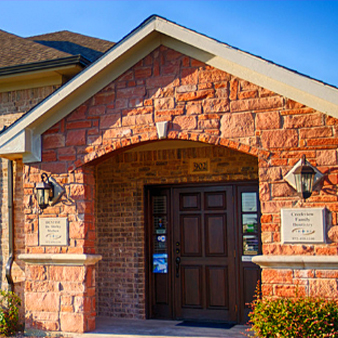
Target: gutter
38,66
10,226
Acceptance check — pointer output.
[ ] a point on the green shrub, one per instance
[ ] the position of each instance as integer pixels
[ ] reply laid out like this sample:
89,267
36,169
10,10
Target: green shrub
9,312
300,317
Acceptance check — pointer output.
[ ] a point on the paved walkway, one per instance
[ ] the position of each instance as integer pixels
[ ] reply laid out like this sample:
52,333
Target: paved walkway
126,328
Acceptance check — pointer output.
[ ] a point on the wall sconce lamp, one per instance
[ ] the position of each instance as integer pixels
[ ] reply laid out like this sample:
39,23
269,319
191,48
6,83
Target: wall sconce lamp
303,177
48,192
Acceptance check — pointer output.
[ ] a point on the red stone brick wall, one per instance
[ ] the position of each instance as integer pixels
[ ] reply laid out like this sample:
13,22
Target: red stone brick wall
120,224
297,283
201,104
77,205
60,298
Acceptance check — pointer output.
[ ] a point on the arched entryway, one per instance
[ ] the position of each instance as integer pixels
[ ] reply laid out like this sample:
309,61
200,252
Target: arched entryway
155,195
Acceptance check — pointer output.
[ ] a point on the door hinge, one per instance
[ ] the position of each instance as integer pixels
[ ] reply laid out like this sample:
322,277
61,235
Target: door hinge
236,308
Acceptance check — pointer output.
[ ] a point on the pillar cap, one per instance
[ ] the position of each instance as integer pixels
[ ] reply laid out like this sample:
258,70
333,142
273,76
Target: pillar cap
296,262
60,259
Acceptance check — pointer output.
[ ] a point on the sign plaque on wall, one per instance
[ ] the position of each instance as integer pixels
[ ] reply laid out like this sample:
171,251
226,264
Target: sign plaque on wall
303,225
53,231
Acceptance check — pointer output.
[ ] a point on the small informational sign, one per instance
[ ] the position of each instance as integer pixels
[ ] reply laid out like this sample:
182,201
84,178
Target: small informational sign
53,231
250,245
160,224
303,225
160,263
247,258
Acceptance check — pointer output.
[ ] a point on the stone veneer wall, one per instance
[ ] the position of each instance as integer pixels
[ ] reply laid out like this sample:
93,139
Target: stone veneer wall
201,104
13,104
120,228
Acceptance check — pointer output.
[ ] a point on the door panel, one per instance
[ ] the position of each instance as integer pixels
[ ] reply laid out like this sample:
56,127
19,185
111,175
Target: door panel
190,241
190,201
161,287
215,200
215,235
191,297
217,295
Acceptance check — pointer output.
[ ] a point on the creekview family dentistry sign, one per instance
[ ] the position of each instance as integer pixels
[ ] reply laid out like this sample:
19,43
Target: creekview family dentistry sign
303,225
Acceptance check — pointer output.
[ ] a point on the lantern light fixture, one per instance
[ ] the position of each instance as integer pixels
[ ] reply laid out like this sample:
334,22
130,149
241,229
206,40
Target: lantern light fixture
304,179
48,191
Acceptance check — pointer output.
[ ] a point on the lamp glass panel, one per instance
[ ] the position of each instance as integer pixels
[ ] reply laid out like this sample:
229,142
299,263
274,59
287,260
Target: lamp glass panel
299,185
307,182
43,196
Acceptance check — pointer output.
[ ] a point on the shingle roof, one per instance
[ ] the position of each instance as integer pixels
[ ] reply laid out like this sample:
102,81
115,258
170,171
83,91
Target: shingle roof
15,50
74,44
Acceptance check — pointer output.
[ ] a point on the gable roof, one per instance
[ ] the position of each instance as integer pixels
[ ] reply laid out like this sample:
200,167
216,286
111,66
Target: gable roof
23,138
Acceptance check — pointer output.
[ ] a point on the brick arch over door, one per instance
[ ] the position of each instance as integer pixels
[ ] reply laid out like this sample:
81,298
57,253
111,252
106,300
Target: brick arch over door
118,146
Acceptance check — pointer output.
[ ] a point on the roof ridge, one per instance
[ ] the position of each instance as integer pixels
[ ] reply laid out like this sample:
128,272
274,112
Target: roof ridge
58,40
65,31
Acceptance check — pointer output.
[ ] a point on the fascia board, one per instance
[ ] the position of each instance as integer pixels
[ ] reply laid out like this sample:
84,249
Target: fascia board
254,69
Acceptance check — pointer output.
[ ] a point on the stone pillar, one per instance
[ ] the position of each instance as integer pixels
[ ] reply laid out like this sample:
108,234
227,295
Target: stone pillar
60,292
60,285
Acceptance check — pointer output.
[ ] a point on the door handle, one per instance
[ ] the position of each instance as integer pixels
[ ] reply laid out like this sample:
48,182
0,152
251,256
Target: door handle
178,261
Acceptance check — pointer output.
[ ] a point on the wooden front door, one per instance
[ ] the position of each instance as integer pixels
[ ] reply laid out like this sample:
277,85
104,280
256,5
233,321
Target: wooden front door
204,253
194,270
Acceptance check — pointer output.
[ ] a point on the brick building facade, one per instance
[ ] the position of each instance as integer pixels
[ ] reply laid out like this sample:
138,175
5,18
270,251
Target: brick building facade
99,139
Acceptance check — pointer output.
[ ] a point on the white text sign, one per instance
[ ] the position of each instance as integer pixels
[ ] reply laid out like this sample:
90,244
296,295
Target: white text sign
303,225
53,231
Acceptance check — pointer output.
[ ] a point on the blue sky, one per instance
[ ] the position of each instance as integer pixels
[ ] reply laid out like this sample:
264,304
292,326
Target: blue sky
301,35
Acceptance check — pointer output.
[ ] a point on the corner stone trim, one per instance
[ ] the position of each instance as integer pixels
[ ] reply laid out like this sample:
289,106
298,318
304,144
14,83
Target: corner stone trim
60,259
297,262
